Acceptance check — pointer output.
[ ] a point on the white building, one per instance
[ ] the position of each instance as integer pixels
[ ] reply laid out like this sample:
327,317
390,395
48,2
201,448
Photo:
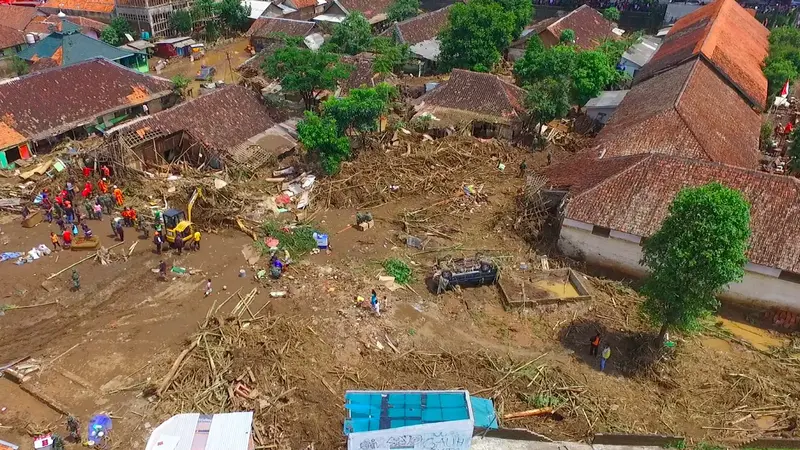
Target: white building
639,54
231,431
613,204
603,106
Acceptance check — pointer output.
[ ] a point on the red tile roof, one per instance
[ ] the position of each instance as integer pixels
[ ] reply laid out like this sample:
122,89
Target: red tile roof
42,64
635,199
46,24
299,4
264,27
590,27
16,17
475,92
96,6
222,119
423,27
725,34
56,100
10,37
370,8
9,136
688,111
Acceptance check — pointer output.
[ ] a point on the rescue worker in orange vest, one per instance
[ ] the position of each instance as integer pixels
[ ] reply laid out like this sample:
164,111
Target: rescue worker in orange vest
118,196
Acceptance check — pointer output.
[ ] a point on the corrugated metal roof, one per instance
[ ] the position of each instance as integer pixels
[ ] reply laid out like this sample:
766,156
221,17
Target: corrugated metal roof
607,99
230,431
181,426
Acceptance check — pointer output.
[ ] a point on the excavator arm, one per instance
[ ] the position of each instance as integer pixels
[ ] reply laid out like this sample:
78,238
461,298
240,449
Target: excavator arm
197,193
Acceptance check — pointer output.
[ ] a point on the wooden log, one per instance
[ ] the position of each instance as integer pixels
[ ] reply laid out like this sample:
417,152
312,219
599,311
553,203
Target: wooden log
44,398
528,413
174,369
93,255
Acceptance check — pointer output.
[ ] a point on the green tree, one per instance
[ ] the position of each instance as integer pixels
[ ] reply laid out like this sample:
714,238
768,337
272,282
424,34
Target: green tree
202,10
783,61
233,15
523,13
352,36
360,110
567,37
320,137
114,33
388,54
305,71
546,100
611,14
699,249
476,35
777,72
794,151
19,66
539,63
401,10
181,22
180,83
592,73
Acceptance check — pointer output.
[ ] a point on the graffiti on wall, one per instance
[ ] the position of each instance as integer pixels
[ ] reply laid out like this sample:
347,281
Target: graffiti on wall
440,440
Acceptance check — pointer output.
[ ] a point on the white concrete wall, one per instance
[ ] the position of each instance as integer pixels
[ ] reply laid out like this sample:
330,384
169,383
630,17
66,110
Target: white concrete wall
759,287
455,435
600,114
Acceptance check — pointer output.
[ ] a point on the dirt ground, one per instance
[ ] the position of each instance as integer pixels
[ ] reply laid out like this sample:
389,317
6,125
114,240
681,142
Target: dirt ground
124,329
225,58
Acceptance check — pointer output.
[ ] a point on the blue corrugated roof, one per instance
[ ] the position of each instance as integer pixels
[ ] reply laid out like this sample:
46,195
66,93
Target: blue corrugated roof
75,46
371,411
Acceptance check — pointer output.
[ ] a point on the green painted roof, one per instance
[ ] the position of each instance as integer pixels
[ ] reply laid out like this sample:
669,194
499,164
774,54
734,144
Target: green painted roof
75,46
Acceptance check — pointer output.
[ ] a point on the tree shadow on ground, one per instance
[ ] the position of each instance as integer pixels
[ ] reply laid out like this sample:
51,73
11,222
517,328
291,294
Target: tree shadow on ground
633,353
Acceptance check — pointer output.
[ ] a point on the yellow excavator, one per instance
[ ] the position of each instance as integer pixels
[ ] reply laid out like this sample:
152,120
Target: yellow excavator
175,221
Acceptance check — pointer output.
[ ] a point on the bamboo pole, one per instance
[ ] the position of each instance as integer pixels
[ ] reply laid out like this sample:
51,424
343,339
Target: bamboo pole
94,255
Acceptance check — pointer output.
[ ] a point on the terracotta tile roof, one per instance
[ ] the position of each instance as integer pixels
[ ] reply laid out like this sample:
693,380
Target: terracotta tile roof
424,27
590,27
46,24
725,34
299,4
42,64
9,136
533,30
363,73
370,8
474,92
97,6
688,111
222,119
263,27
635,200
10,37
16,17
53,101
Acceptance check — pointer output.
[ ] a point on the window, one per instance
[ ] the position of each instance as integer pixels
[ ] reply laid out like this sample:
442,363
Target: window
601,231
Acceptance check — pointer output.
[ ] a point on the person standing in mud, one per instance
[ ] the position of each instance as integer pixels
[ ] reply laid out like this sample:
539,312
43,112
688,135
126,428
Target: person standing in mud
594,344
73,426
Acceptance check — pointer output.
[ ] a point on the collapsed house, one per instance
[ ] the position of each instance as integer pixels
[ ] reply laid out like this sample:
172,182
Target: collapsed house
337,10
265,31
227,127
74,102
421,33
483,103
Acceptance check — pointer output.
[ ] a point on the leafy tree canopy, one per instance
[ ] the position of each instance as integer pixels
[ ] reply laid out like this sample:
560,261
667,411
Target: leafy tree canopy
476,35
539,63
783,62
305,71
320,137
388,54
611,14
794,151
114,33
352,36
699,249
547,99
180,83
567,37
181,21
592,73
523,13
401,10
202,9
233,15
360,110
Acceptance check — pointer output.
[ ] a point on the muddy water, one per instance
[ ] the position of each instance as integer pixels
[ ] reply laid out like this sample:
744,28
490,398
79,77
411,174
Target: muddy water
759,338
717,344
561,289
225,58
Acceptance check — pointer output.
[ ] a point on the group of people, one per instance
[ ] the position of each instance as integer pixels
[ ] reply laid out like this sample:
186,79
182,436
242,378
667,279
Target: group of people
180,241
594,346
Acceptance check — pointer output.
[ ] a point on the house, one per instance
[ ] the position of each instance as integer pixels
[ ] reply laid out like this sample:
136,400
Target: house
11,42
13,146
101,10
13,21
260,8
384,420
686,111
178,46
727,37
44,25
16,17
139,46
363,73
229,431
488,105
227,126
336,10
613,204
66,45
638,54
421,33
77,100
590,28
603,106
150,17
265,30
676,10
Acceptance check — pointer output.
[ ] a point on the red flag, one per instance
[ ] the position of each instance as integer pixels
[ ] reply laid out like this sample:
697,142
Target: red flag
785,90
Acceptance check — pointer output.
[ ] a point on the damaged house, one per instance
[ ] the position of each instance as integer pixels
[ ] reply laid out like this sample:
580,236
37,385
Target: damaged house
230,126
421,33
480,102
74,102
